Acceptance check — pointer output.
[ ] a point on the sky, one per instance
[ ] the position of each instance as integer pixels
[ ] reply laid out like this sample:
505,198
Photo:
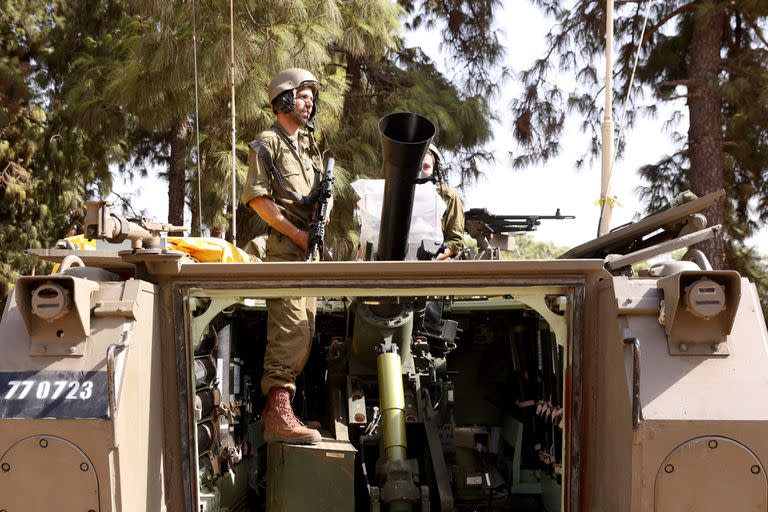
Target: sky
533,191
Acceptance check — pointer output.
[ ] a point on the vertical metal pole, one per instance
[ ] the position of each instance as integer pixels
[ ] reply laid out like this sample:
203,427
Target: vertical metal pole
234,129
607,126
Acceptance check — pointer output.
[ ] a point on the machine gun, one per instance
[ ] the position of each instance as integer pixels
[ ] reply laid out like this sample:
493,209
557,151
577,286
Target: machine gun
510,224
483,226
317,227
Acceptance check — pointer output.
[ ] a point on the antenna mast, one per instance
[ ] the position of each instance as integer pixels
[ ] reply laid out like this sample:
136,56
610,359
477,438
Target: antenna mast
197,124
234,129
607,126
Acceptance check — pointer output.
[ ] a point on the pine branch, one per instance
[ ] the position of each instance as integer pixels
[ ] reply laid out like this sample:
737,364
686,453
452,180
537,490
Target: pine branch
734,70
758,31
675,83
663,21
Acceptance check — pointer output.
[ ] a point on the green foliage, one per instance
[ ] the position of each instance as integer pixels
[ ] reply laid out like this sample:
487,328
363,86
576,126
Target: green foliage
753,266
468,35
528,248
89,85
48,166
665,72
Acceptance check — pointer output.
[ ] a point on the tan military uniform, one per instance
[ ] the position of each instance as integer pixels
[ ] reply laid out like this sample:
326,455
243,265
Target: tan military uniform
291,322
453,219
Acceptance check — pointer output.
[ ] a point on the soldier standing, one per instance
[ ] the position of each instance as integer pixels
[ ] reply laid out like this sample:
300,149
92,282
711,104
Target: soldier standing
284,166
453,218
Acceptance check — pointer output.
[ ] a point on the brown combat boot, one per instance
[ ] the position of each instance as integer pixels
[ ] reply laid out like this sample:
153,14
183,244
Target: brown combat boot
280,424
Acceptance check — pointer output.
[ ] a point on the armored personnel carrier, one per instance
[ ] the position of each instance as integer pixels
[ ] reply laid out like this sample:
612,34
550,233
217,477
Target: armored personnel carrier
129,378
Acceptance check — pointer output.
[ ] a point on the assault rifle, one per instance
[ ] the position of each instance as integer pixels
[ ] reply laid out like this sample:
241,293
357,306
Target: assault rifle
317,226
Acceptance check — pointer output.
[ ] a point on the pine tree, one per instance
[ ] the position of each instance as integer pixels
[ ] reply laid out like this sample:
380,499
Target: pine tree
713,54
48,166
113,86
149,75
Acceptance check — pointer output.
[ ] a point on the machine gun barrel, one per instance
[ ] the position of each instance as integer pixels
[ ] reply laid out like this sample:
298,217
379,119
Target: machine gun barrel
405,138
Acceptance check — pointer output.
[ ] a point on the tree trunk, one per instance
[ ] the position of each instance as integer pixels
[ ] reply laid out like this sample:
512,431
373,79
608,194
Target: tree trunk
704,105
354,78
177,172
195,213
194,202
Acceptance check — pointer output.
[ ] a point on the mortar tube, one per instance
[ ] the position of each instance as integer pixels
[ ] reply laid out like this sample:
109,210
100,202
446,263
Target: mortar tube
405,139
392,406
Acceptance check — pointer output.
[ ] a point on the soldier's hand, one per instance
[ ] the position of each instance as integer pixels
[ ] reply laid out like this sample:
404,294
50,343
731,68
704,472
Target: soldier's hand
446,254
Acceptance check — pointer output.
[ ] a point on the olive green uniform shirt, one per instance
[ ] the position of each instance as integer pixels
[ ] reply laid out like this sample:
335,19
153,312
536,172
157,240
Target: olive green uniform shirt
453,219
299,163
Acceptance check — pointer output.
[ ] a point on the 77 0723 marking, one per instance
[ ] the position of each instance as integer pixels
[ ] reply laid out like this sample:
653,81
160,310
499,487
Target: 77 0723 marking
49,390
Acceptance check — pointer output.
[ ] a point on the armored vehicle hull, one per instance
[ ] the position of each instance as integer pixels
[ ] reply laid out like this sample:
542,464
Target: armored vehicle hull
561,390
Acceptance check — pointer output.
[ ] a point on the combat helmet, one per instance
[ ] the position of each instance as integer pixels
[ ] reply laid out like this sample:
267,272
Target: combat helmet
281,89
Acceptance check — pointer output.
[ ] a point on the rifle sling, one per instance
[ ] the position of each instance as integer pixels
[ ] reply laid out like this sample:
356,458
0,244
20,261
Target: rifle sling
277,178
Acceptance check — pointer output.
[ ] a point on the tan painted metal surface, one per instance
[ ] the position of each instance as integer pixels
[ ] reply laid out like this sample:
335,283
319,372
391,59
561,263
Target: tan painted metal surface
711,474
686,398
122,443
683,399
48,473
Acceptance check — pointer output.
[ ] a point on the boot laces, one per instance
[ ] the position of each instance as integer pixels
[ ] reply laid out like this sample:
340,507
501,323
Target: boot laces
286,411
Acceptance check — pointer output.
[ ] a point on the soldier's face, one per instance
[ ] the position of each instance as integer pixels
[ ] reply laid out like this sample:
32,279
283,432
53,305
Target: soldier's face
305,99
428,165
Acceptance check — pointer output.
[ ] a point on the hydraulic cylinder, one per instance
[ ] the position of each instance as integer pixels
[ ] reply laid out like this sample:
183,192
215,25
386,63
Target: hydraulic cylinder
392,405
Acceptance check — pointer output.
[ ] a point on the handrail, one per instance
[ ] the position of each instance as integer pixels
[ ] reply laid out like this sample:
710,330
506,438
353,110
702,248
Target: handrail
637,413
112,352
68,261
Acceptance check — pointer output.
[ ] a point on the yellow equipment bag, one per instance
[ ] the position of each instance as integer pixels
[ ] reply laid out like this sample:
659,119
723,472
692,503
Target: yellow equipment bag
80,242
209,250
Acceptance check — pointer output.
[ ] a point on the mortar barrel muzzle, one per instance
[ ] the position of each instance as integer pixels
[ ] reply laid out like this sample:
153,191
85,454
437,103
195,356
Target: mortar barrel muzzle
405,139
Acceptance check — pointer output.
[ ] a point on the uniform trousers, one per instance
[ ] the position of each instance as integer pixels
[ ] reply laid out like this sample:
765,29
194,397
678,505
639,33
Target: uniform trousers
290,325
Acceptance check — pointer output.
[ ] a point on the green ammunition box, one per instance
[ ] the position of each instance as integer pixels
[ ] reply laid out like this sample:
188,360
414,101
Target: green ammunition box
323,472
